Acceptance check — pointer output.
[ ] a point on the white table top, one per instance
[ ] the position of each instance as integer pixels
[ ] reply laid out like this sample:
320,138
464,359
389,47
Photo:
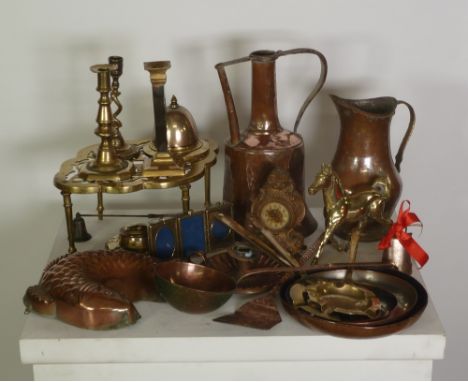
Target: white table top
164,334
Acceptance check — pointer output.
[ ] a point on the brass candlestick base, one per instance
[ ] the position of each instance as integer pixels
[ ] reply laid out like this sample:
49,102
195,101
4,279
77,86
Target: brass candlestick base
123,171
162,164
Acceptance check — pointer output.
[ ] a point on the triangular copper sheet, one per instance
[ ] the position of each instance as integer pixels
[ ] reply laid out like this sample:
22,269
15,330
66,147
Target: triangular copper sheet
260,313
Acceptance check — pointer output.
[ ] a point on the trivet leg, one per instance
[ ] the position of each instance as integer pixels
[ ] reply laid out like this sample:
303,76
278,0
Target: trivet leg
67,204
100,205
207,186
185,197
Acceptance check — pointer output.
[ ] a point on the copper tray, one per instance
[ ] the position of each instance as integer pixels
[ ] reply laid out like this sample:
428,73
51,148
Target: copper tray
405,297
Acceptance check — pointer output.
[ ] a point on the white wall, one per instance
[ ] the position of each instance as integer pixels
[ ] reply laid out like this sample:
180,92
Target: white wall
416,51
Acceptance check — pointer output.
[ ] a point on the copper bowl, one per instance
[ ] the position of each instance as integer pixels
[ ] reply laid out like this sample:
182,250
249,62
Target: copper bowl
193,288
410,297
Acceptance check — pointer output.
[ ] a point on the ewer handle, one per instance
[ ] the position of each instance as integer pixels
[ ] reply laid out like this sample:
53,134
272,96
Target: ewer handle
318,86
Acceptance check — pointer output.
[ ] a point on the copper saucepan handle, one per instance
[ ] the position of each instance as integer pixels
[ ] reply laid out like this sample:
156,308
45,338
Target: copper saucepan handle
313,268
318,86
406,137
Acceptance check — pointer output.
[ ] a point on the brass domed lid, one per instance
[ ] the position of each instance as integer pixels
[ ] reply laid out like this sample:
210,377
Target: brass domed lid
182,132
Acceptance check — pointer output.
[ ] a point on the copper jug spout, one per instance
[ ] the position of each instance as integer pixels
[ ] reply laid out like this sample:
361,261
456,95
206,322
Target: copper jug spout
230,106
380,107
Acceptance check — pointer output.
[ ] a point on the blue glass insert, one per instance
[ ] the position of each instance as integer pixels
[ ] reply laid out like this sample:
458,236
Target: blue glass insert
164,243
219,231
193,234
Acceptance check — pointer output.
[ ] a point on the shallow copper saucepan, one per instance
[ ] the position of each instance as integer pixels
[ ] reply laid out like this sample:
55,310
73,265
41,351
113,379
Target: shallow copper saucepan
241,261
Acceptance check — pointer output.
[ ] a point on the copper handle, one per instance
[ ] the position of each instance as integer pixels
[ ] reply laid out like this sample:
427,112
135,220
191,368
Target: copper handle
318,86
231,107
314,268
406,137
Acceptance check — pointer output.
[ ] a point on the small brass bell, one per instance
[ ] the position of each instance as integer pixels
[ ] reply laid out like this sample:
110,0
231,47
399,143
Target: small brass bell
79,229
182,134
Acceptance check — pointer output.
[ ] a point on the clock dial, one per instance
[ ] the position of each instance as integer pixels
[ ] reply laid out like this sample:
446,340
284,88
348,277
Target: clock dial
275,216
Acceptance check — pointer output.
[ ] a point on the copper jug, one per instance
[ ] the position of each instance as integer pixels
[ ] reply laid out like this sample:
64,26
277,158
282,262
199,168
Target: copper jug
363,153
265,144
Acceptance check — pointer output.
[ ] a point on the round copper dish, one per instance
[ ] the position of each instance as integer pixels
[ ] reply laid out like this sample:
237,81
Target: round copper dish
409,294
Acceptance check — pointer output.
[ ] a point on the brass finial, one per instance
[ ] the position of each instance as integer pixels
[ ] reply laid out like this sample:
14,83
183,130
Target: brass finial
174,104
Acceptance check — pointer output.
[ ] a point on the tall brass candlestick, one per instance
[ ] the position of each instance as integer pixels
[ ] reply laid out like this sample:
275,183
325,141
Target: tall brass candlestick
124,150
160,163
158,77
107,165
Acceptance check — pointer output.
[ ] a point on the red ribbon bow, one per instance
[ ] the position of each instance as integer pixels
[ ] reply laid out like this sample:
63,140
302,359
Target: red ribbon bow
398,230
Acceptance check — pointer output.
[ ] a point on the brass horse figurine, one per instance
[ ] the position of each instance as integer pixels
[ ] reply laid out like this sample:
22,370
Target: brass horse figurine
342,205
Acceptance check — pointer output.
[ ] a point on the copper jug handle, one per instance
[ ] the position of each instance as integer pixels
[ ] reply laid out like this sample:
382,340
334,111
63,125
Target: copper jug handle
409,131
318,86
231,107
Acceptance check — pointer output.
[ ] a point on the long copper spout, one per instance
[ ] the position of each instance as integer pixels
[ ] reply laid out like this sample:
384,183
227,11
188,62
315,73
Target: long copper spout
230,106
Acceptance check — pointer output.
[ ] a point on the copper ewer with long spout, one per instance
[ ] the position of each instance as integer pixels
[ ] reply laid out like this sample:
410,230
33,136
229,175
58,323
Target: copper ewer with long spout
265,144
363,153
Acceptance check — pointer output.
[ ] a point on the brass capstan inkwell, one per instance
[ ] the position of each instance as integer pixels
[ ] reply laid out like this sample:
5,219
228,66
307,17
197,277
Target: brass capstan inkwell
106,165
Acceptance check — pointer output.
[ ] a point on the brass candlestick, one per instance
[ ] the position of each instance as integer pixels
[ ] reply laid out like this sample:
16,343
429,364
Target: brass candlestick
160,162
123,149
106,165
